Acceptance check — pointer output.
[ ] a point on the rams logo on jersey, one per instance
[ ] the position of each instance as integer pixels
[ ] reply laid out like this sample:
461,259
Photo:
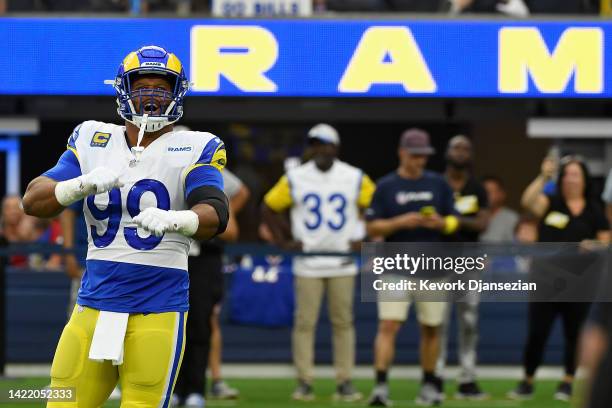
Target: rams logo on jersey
100,139
219,159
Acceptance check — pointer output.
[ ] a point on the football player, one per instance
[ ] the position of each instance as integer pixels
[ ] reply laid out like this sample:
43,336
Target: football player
147,190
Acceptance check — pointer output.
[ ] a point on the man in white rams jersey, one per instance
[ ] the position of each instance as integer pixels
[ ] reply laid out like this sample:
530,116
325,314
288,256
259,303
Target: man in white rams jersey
147,190
325,197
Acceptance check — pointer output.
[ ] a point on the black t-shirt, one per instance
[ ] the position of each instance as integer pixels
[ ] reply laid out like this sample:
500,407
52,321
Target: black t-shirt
471,199
559,225
396,195
602,315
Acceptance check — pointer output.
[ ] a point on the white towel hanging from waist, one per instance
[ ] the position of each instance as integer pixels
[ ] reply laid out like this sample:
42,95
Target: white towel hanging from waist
107,342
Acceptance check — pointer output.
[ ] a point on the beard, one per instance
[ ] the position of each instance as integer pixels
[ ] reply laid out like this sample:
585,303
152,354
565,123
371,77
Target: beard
460,165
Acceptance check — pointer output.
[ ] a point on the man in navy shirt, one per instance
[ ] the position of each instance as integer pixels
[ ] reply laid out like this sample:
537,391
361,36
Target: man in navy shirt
410,205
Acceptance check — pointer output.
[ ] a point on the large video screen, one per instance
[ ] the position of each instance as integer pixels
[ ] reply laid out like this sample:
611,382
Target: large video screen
316,58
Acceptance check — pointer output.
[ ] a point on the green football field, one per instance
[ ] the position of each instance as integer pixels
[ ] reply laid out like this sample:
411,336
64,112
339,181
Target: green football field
275,393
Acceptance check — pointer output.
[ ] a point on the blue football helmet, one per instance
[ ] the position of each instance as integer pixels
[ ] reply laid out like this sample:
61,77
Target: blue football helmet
162,107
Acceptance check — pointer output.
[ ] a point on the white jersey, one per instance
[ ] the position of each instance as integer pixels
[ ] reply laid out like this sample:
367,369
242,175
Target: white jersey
157,180
325,216
127,268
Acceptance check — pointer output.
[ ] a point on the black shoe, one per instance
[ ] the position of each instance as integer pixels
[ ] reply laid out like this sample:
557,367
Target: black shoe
523,391
470,391
303,392
439,383
564,392
347,393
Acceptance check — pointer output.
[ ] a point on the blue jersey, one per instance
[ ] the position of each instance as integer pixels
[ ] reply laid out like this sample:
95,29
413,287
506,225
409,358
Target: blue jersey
396,195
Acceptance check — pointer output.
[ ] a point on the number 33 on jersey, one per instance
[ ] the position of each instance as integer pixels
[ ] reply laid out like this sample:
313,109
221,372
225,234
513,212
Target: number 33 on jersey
325,210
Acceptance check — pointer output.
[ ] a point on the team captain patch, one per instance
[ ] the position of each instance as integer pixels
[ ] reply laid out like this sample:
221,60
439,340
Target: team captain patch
100,139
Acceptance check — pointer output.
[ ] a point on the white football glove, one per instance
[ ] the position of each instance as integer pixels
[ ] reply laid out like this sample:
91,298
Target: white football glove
158,222
98,181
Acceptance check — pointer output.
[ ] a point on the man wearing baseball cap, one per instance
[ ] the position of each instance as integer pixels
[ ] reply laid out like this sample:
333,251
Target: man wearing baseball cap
410,204
325,198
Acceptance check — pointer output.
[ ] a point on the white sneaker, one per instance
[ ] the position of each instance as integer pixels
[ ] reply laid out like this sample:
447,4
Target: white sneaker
380,396
429,395
195,401
221,390
115,395
175,401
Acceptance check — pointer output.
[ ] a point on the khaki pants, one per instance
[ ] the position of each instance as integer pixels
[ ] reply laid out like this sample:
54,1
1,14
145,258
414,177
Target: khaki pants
309,294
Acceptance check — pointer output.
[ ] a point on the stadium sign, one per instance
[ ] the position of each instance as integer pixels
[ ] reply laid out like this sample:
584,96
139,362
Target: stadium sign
319,58
261,8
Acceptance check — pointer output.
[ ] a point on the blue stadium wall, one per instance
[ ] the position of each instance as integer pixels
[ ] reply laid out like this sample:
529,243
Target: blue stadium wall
37,307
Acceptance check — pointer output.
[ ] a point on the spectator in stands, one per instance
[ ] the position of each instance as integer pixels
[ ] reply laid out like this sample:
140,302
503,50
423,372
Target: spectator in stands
515,8
503,220
472,206
419,6
572,214
10,222
526,230
12,214
40,231
422,6
19,228
563,6
522,8
410,205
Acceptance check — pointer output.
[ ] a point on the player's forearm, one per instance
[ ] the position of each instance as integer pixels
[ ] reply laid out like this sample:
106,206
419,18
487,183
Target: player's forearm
208,222
39,199
476,223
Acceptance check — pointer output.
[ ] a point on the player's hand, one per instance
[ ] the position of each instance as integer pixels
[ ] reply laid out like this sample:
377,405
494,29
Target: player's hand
411,220
100,180
434,222
97,181
548,168
156,221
